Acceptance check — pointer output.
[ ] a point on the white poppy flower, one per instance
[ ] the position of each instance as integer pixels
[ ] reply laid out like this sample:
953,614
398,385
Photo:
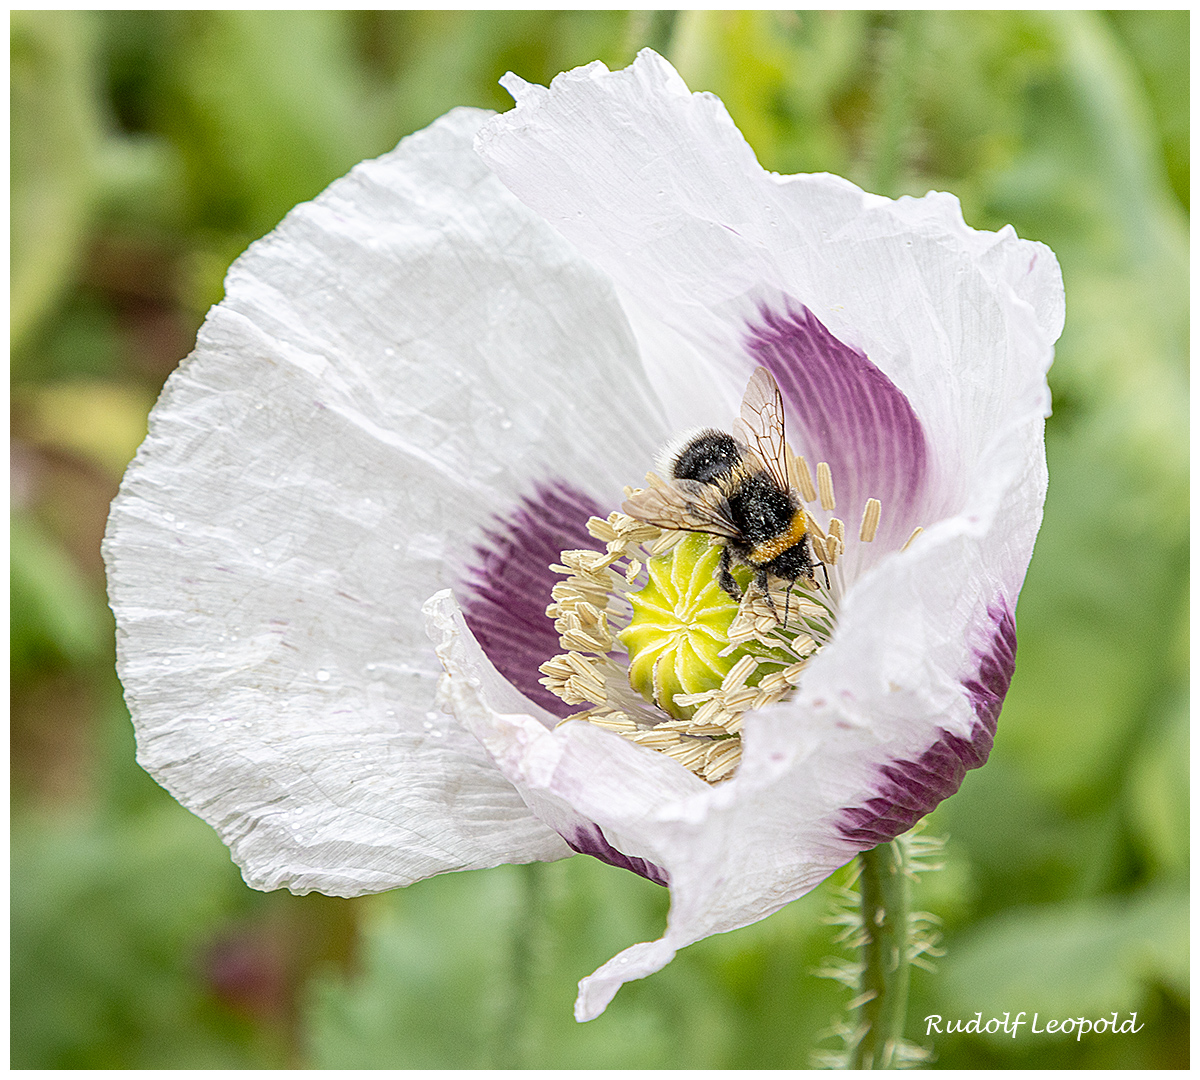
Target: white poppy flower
423,383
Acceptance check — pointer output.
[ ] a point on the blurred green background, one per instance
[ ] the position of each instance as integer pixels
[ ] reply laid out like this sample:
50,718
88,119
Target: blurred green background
149,148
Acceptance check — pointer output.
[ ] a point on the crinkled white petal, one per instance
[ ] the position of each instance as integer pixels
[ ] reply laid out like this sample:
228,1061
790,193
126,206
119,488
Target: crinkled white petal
400,360
659,188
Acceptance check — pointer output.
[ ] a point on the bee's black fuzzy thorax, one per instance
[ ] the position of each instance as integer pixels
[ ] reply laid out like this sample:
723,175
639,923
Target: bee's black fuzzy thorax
707,457
759,508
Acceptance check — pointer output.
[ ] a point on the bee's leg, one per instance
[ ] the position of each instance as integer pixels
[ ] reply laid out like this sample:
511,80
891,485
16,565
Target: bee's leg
787,601
725,579
814,562
760,579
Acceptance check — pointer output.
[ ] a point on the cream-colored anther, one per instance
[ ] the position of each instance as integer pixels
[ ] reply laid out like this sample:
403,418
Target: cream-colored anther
799,476
825,486
722,759
736,676
701,698
870,520
614,721
837,548
793,671
687,753
915,533
665,542
601,529
657,738
774,683
585,679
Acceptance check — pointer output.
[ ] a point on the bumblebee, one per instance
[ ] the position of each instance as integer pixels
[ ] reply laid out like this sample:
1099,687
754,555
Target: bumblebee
735,487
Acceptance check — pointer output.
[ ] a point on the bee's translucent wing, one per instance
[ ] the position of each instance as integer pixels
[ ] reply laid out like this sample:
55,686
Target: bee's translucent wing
681,504
760,426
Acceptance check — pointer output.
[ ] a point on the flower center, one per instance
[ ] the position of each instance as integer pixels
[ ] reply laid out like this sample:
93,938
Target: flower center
664,656
678,637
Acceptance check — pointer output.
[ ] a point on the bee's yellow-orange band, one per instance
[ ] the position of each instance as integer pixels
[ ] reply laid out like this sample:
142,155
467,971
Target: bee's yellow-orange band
763,553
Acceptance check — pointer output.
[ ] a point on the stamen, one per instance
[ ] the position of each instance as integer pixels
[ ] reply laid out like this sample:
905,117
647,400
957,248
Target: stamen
613,721
571,677
665,542
722,760
688,754
800,477
773,634
657,738
915,533
870,520
690,727
792,673
737,675
825,486
828,550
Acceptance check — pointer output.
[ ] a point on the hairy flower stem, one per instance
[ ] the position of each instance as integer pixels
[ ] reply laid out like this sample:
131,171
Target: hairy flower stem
884,887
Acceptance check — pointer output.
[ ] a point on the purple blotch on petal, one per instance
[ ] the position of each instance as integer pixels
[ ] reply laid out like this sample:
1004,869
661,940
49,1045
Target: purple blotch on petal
507,588
590,840
843,410
996,665
910,789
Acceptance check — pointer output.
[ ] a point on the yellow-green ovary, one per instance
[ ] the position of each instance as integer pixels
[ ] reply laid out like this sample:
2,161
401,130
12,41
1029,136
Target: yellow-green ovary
680,625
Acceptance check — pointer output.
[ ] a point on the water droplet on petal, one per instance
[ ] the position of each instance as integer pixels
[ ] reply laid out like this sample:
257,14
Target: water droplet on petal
322,676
